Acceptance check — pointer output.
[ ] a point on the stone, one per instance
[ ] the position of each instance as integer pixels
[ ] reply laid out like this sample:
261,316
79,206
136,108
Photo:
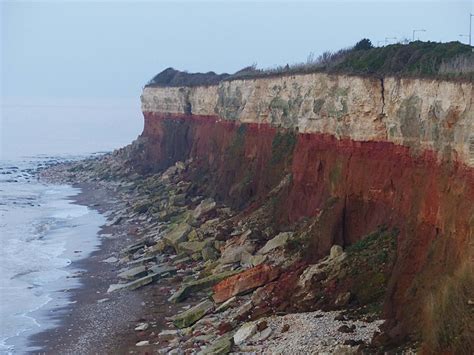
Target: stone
245,332
278,242
167,335
191,247
156,248
158,270
192,315
204,207
243,310
200,284
343,299
346,329
209,253
143,343
177,235
336,250
133,273
110,260
233,253
261,335
285,328
142,261
226,304
250,260
245,281
142,327
133,285
221,346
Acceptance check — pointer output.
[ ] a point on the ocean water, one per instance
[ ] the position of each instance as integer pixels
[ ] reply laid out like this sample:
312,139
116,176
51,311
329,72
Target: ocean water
41,233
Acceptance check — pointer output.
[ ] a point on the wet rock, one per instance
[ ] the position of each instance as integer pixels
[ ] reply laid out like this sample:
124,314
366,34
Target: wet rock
244,281
245,332
200,284
278,242
221,346
192,315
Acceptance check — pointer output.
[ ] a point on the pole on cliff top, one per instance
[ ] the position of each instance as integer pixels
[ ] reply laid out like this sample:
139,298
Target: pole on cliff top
470,28
421,30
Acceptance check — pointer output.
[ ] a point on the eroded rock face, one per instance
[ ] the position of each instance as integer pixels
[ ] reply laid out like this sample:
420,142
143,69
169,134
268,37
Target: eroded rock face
360,153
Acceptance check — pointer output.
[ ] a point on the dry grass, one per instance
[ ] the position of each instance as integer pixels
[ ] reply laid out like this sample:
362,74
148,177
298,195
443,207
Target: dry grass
449,322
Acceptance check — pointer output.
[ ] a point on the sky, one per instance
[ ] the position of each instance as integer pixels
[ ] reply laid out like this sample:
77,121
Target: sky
82,52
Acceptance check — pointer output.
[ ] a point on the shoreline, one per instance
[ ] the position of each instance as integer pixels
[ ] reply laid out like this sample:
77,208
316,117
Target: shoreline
172,309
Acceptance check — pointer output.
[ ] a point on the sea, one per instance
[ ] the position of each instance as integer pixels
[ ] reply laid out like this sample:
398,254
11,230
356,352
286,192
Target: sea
41,233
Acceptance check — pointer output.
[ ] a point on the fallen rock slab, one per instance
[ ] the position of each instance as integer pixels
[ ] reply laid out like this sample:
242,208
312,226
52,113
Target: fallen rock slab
221,346
200,284
133,285
245,281
245,332
133,273
192,315
177,235
278,242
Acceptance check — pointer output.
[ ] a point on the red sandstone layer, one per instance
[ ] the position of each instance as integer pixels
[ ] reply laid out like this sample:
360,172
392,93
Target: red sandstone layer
375,183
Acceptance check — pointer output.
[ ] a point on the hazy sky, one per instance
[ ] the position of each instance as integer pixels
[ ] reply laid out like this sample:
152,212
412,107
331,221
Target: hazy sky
111,48
72,71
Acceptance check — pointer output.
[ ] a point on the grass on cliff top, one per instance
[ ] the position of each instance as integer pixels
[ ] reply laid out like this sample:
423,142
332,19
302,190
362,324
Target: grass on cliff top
452,60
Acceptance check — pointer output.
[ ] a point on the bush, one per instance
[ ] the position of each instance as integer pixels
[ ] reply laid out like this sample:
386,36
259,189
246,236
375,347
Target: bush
363,45
452,60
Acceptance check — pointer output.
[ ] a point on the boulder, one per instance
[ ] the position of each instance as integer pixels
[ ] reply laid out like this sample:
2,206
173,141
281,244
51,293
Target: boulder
204,207
245,281
209,253
245,332
278,242
167,335
192,315
200,284
133,285
221,346
177,235
194,246
234,253
133,273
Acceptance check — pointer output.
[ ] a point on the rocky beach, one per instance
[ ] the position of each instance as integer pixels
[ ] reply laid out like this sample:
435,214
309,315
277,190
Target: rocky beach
179,273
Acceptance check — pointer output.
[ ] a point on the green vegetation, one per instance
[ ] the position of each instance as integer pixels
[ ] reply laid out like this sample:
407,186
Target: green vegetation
452,60
282,146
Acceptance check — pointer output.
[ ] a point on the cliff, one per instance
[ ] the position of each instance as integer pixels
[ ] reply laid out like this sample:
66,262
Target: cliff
334,157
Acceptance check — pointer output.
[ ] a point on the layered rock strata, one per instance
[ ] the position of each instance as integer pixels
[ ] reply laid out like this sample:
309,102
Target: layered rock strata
353,154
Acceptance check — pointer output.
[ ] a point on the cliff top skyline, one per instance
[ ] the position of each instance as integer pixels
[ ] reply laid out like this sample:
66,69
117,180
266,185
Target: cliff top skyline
109,49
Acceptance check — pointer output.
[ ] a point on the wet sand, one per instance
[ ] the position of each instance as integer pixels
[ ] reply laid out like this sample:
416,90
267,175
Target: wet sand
95,321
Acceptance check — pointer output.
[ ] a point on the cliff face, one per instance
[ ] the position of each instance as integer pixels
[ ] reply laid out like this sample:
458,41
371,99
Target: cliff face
397,153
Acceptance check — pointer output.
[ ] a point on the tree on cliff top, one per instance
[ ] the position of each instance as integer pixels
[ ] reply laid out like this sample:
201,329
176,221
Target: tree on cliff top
363,44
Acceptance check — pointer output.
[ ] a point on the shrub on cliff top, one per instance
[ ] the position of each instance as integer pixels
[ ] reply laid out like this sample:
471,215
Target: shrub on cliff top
452,60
